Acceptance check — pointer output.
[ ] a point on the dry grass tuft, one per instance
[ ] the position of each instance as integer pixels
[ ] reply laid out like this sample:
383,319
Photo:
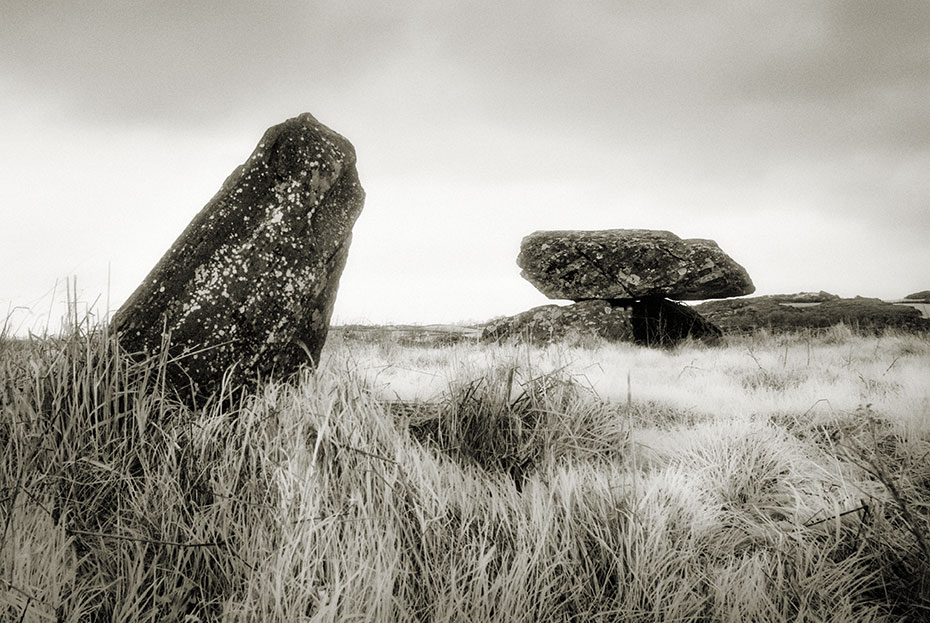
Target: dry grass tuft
773,478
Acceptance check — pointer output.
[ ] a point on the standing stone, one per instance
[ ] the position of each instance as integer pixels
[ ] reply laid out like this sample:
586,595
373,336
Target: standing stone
248,288
629,264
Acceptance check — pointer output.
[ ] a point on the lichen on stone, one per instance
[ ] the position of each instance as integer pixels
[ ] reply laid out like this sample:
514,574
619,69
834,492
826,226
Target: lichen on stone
247,279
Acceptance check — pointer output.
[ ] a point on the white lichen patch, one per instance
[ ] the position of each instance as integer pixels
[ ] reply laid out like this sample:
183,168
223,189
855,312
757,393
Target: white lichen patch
629,279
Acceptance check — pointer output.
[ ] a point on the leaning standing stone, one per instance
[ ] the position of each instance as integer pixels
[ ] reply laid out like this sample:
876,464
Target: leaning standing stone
248,288
629,264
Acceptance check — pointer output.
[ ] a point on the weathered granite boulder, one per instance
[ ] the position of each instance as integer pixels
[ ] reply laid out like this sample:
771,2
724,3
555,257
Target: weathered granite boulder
629,264
249,286
554,323
651,322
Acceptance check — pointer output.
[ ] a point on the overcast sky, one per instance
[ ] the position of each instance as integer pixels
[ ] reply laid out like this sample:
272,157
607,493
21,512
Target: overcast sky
795,134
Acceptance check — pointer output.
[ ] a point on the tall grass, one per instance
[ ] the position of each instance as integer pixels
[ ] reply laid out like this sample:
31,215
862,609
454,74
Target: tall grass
472,483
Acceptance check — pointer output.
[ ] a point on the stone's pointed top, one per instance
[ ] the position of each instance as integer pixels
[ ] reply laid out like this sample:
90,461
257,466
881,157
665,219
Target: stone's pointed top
307,124
629,264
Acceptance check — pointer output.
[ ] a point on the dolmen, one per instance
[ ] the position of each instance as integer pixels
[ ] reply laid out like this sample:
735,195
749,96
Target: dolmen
247,290
625,284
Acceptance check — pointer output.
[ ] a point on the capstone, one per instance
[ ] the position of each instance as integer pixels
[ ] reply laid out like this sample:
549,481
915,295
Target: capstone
629,264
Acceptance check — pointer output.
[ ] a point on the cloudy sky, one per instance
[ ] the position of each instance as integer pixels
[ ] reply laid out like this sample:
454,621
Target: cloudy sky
795,134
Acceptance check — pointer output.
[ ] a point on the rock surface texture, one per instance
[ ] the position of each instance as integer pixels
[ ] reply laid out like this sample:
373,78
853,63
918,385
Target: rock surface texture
629,264
650,322
553,323
248,288
798,312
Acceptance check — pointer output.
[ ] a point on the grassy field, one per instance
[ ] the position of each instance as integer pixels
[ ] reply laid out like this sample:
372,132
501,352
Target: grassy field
771,478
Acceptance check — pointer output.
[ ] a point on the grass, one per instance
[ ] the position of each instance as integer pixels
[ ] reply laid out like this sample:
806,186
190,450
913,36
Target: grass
771,478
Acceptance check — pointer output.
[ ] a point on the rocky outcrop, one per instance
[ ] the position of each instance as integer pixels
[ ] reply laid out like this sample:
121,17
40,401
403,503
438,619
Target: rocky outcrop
553,323
787,312
248,288
629,264
803,298
650,322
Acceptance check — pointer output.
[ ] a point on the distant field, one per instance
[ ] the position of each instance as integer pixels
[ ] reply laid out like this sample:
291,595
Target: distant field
771,478
410,335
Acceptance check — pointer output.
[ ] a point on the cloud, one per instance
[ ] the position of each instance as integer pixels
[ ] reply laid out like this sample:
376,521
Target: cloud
184,61
476,122
689,77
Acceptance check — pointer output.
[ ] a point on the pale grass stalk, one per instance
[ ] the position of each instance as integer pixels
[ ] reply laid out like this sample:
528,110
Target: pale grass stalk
313,501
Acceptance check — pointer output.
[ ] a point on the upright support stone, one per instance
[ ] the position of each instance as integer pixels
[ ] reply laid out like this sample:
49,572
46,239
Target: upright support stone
248,288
